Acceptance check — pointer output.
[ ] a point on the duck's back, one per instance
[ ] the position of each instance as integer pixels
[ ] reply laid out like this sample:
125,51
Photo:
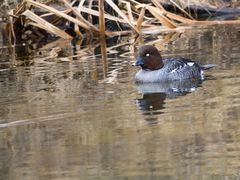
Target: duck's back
181,68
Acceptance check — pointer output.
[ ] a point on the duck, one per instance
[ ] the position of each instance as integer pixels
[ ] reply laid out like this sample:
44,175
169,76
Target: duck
155,69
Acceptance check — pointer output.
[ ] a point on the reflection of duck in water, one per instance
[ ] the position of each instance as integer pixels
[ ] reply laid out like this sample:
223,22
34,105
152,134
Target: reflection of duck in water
151,104
154,94
171,89
155,69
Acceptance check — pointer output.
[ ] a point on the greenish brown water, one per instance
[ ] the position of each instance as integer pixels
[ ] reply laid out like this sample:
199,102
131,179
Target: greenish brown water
81,116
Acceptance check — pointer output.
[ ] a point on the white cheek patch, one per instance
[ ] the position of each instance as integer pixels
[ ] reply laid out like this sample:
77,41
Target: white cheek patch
147,54
190,63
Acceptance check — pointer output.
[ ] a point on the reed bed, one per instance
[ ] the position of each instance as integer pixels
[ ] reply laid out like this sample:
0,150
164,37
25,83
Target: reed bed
140,18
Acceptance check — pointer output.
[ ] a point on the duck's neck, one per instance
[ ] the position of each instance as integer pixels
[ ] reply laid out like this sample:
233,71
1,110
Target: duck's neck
157,63
159,66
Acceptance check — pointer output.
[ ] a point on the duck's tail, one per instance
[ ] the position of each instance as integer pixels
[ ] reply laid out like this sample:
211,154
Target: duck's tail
207,66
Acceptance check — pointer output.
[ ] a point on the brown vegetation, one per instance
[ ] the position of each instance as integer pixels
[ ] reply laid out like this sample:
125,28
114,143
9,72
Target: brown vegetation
141,18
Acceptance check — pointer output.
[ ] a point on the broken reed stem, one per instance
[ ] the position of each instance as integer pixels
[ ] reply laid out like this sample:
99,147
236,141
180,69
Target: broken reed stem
129,10
160,16
79,16
58,13
101,17
140,18
120,13
96,13
81,3
170,15
178,18
157,4
179,7
20,8
43,24
77,31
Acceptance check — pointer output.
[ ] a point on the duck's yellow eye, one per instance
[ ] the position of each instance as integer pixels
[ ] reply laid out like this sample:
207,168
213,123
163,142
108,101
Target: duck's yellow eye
147,54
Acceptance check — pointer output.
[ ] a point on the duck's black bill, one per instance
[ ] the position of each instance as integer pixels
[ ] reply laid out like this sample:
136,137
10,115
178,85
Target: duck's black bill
139,62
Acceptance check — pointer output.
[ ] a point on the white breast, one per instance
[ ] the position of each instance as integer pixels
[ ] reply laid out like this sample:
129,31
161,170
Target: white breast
148,76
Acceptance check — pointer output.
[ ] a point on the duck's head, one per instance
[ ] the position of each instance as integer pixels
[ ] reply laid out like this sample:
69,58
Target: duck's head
149,58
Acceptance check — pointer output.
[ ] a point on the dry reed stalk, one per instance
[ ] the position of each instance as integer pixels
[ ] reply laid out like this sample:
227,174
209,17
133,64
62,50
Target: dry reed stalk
179,7
129,10
76,27
57,43
58,13
111,3
81,2
21,8
101,17
50,14
79,16
215,22
171,15
81,5
160,16
103,45
158,5
96,13
135,2
117,33
77,31
56,19
140,18
41,23
179,18
90,5
124,43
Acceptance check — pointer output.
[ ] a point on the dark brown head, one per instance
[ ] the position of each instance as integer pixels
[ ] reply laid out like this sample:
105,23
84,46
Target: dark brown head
149,58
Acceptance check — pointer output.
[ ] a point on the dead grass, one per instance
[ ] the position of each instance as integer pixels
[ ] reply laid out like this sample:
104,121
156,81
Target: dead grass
141,18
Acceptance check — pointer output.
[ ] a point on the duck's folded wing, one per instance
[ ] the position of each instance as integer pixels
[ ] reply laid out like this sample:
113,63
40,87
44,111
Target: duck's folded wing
177,64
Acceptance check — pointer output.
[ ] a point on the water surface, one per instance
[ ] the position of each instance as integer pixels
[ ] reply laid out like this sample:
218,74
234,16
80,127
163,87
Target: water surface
71,111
